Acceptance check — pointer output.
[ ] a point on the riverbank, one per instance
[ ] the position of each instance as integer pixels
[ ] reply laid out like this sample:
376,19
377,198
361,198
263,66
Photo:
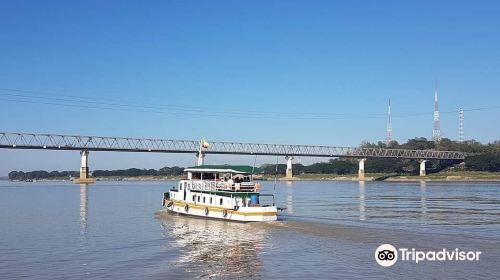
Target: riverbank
451,176
448,176
113,179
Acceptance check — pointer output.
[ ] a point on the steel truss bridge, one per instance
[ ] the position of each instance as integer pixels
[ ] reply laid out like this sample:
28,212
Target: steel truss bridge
11,140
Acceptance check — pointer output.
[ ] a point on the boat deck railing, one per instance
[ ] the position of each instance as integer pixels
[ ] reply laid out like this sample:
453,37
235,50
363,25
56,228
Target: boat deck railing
223,186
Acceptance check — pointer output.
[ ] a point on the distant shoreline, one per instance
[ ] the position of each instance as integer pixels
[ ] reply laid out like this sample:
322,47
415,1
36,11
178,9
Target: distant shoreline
465,176
455,176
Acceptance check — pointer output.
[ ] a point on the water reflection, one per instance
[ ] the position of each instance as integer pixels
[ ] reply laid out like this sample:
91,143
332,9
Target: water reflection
289,197
423,200
83,209
362,204
211,248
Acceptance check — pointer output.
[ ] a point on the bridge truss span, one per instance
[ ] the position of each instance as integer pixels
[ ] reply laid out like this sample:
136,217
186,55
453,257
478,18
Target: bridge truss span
125,144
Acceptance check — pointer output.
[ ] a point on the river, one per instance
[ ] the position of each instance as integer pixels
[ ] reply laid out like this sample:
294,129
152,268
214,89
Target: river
329,230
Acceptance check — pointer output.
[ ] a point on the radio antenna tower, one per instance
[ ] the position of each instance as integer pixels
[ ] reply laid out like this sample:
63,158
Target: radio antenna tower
461,137
436,132
388,136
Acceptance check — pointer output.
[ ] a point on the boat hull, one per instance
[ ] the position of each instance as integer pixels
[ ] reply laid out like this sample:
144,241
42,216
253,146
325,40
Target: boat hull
242,214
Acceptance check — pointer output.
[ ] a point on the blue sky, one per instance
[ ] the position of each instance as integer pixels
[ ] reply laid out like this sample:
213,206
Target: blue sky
267,69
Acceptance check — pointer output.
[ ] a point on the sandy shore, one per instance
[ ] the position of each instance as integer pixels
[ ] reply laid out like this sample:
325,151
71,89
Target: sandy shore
435,177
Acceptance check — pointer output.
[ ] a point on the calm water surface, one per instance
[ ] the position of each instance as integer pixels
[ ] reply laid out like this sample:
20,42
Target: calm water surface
329,230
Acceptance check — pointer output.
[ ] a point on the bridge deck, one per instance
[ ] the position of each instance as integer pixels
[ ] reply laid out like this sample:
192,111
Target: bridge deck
122,144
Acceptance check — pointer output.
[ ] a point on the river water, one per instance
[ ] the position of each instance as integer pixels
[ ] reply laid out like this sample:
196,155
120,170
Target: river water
112,230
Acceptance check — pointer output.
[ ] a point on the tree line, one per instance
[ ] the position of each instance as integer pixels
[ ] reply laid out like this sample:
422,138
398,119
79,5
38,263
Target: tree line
481,157
131,172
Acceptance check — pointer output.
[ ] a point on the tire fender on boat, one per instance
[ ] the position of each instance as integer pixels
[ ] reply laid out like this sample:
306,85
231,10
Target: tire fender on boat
224,213
170,204
206,211
186,208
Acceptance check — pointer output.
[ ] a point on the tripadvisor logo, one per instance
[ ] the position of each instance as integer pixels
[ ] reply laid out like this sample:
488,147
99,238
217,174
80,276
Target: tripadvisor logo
386,255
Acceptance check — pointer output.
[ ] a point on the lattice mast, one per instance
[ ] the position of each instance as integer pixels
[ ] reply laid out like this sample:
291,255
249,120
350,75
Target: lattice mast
388,135
436,132
461,137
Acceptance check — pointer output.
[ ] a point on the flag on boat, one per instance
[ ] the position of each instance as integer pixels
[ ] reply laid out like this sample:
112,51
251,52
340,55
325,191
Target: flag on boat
204,144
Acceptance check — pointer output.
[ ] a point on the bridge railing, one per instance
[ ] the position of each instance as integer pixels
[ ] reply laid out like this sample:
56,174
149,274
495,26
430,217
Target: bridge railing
126,144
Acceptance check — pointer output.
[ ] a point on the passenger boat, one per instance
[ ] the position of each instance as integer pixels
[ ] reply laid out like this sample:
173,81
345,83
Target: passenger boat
221,192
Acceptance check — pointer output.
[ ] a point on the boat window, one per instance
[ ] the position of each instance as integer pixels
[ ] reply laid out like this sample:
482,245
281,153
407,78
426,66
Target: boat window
185,184
210,200
203,199
180,187
221,201
194,197
198,198
208,176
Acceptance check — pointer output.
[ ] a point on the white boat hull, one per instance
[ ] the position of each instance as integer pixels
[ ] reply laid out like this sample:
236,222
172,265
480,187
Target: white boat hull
242,214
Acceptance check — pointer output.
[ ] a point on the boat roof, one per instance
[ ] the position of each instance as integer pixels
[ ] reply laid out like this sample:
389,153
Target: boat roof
238,169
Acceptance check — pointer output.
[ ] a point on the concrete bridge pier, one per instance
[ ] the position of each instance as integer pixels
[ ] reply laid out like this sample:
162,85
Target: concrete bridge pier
84,169
289,173
422,168
361,170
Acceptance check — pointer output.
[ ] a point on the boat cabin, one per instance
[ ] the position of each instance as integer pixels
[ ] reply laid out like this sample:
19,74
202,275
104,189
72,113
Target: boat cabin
225,186
235,178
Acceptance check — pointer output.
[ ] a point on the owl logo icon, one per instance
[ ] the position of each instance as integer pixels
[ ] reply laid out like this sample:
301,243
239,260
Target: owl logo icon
386,255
